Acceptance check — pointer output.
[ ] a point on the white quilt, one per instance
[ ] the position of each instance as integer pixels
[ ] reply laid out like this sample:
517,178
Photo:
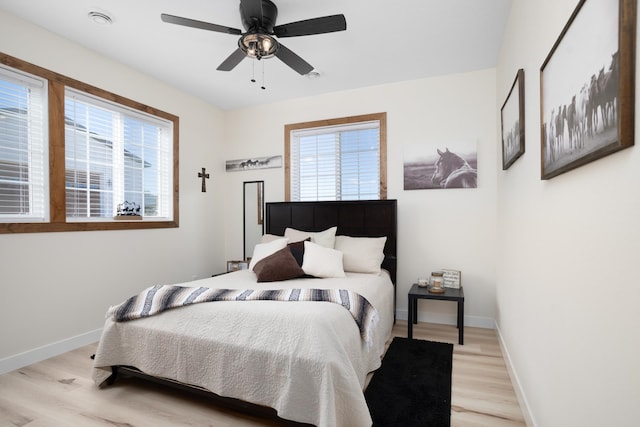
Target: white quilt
304,359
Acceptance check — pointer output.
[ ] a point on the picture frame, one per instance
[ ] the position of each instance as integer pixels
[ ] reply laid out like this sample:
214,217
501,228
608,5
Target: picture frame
252,163
587,87
237,265
451,278
445,165
512,120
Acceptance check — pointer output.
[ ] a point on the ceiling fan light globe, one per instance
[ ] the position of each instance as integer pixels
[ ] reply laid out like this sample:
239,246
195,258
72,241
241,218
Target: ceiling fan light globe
258,45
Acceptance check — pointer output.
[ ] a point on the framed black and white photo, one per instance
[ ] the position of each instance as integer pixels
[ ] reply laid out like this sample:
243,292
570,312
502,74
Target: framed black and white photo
512,119
587,87
253,163
441,166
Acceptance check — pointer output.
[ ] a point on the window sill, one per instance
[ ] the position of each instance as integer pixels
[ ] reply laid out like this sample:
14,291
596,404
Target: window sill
9,228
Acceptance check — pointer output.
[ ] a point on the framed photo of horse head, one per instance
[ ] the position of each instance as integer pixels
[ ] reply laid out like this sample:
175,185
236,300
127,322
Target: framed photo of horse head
587,87
512,119
441,166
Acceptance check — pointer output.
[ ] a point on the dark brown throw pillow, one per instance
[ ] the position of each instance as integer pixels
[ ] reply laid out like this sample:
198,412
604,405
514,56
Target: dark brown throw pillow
280,265
297,249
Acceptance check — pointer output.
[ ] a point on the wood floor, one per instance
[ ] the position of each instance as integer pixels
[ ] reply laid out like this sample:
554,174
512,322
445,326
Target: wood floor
60,392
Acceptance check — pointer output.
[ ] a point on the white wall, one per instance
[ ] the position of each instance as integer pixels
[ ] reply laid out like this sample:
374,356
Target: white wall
56,286
567,283
436,228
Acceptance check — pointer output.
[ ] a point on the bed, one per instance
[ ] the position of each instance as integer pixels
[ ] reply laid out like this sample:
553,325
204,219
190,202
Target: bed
308,360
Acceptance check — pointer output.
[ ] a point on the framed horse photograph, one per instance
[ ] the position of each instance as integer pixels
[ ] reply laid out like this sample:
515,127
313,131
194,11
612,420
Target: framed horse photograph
512,119
441,166
253,163
587,87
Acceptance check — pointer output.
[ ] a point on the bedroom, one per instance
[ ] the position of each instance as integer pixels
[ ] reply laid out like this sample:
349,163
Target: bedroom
550,262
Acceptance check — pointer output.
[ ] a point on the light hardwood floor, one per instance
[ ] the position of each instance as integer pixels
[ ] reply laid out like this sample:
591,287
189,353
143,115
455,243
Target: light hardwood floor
60,392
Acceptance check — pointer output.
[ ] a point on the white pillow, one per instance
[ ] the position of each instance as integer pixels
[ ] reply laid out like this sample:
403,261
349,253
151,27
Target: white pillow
319,261
324,238
263,250
361,254
266,238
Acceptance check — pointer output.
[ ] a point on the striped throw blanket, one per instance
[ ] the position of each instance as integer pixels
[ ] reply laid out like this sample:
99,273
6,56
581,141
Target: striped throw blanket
159,298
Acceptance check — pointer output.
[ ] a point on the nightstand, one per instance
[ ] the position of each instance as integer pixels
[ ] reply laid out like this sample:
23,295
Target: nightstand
450,294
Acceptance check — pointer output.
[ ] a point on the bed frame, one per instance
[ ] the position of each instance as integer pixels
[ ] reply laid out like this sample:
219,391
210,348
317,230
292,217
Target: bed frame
358,218
370,218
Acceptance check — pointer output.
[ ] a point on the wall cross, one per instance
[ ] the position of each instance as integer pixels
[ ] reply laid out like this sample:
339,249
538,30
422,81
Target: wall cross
204,176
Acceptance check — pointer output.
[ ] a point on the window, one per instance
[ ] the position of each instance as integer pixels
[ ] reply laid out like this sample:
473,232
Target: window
23,155
114,155
338,159
70,153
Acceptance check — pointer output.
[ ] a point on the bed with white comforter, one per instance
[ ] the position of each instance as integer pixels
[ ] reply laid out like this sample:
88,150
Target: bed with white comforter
306,359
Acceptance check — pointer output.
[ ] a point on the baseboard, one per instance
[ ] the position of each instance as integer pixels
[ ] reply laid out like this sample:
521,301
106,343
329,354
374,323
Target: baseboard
449,319
39,354
522,398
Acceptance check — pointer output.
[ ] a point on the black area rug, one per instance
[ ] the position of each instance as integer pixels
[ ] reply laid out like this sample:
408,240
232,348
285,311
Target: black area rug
413,386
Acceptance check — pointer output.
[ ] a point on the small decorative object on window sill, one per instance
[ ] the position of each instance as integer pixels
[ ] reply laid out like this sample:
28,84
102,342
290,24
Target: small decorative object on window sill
436,283
128,211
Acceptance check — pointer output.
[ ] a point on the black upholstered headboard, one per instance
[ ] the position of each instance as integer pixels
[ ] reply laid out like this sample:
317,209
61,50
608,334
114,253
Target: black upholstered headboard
368,218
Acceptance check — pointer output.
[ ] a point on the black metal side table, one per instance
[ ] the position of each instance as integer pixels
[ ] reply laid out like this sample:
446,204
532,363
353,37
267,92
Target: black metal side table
416,292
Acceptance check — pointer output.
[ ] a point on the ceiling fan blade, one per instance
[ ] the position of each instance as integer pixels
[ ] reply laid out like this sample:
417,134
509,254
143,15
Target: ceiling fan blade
231,62
172,19
251,9
294,61
325,24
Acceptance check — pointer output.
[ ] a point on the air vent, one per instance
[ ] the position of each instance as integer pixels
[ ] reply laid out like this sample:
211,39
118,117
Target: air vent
100,18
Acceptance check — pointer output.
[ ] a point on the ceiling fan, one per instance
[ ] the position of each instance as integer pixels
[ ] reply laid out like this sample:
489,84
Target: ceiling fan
259,39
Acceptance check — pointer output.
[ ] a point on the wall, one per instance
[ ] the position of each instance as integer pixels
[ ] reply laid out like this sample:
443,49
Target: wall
436,228
567,284
56,287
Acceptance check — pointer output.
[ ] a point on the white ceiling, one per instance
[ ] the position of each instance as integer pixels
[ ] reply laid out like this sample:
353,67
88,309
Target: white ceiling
385,42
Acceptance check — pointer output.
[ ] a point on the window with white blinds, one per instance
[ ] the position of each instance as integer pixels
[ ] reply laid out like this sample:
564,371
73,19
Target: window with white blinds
113,155
336,162
70,153
23,147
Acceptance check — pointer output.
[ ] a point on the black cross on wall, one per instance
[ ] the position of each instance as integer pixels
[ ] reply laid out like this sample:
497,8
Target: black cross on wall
204,176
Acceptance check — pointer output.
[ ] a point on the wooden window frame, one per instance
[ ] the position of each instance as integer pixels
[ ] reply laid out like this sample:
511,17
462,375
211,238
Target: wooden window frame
380,117
57,199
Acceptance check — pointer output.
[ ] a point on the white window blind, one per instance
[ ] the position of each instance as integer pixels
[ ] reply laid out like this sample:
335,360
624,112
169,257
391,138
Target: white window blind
336,162
24,191
114,154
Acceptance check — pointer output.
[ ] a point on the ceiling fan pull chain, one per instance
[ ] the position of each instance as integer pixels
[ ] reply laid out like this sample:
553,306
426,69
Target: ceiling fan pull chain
262,87
253,72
